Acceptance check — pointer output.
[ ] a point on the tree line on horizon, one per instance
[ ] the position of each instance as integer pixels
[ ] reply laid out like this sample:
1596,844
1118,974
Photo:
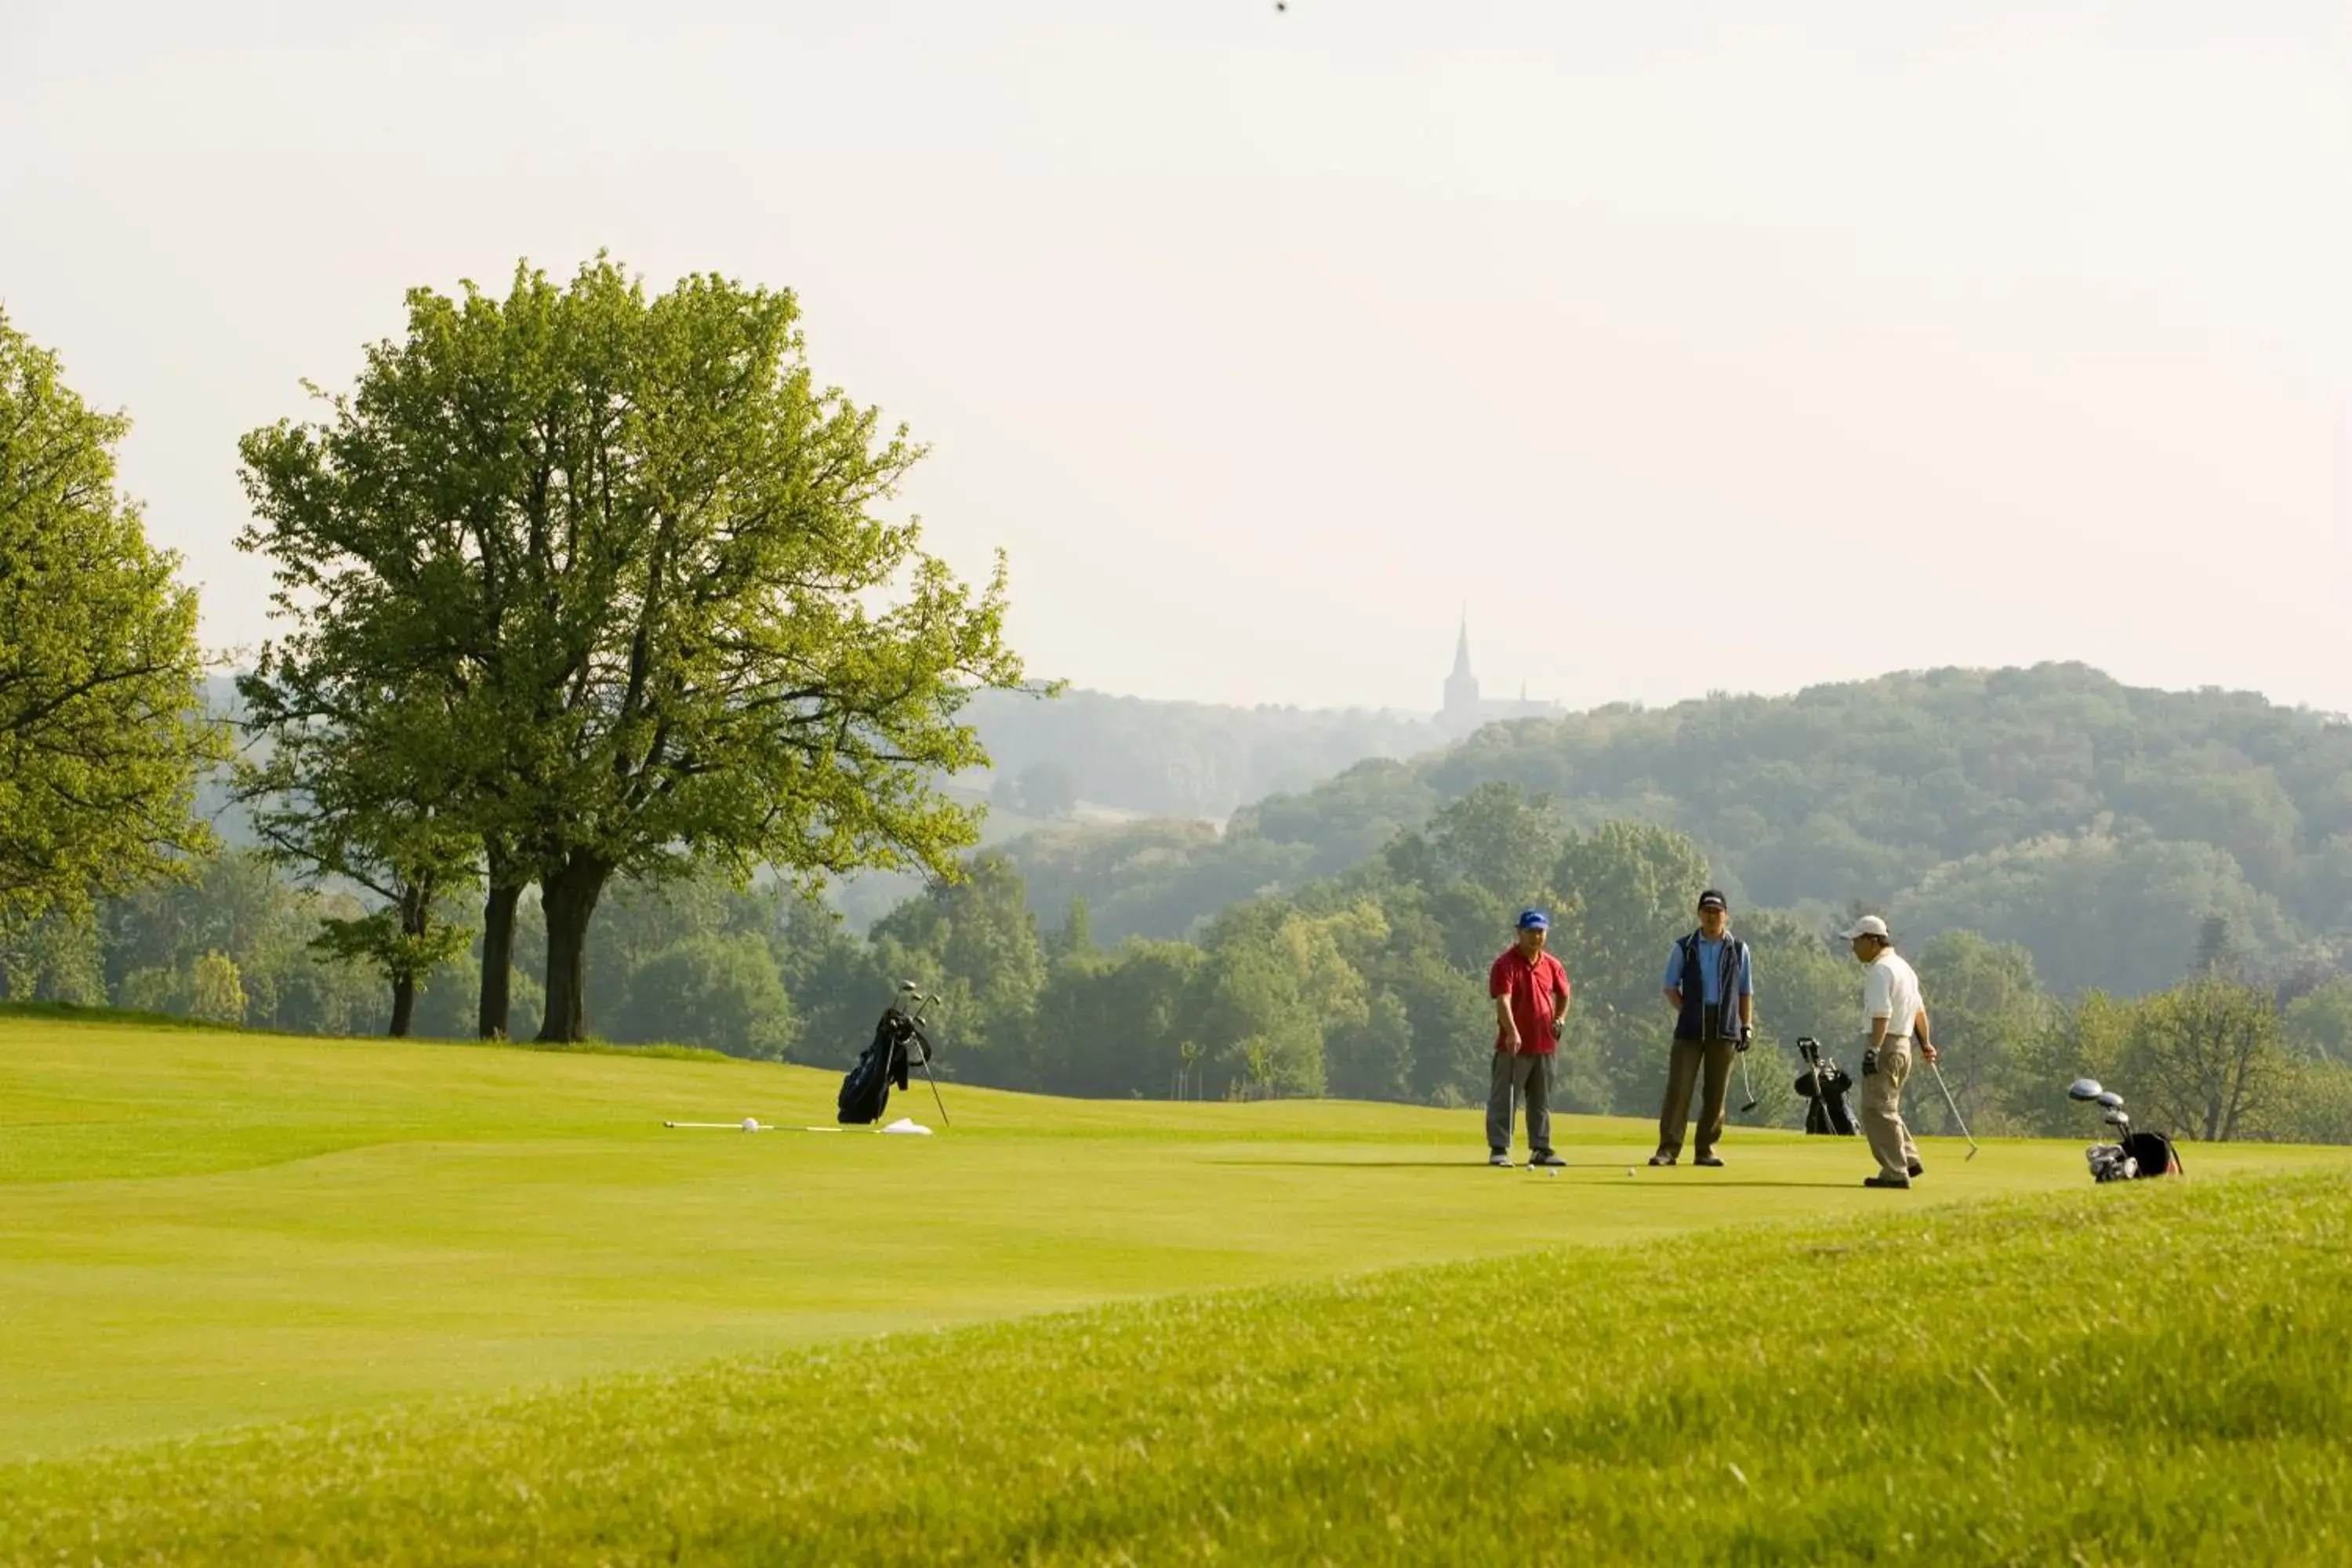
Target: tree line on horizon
587,606
1369,985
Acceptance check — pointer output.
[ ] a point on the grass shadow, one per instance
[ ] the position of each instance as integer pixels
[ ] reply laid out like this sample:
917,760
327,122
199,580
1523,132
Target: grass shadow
1482,1165
1457,1164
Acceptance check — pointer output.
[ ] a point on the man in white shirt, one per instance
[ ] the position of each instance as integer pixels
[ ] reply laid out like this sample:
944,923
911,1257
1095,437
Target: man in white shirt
1893,1016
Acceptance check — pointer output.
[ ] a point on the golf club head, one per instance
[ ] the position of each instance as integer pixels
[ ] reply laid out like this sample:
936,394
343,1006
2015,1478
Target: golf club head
2116,1118
2112,1101
2084,1089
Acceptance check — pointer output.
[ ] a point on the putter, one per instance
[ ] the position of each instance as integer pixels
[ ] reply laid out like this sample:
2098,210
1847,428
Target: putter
1746,1086
1956,1108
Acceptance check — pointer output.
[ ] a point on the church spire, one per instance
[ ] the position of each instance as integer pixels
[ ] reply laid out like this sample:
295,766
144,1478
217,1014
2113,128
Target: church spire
1462,687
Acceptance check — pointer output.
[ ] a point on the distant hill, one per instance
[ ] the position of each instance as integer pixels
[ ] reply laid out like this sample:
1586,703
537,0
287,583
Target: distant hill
1188,759
2098,822
1120,758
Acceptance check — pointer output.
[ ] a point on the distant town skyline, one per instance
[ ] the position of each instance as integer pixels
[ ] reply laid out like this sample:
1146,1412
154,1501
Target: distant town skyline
1463,707
1693,349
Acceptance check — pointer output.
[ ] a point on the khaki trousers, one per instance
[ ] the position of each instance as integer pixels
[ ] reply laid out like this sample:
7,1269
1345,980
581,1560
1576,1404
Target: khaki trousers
1691,1059
1881,1109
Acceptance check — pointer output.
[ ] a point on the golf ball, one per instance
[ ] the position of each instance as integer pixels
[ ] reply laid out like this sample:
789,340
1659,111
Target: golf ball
750,1124
1553,1174
1629,1170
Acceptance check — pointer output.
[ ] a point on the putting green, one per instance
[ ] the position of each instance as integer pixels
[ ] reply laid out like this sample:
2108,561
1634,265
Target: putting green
208,1229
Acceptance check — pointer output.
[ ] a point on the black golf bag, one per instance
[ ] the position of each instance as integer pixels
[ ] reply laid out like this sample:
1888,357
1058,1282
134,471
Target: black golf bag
2133,1156
2136,1157
2154,1155
1824,1085
865,1091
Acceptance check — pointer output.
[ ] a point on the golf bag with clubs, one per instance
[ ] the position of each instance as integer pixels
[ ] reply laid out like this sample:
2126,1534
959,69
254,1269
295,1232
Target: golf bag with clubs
2133,1156
1824,1085
899,1042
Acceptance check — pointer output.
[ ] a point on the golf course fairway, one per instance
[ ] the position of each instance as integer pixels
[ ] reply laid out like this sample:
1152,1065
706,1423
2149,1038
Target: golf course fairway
477,1304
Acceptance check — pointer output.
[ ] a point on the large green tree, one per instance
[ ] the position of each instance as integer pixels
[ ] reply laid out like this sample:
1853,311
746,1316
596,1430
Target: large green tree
972,943
1986,1004
2208,1056
353,790
1115,1024
644,549
1634,889
103,732
1275,982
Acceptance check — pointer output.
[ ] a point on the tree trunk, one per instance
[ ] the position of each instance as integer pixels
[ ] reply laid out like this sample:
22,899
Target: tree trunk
568,898
497,954
403,1005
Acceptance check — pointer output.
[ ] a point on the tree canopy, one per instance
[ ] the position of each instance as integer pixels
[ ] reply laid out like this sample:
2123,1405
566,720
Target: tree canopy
639,550
103,732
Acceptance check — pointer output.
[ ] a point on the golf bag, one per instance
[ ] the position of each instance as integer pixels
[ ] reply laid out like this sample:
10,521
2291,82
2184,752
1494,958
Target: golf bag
1824,1085
2154,1155
865,1091
899,1043
2137,1157
2133,1156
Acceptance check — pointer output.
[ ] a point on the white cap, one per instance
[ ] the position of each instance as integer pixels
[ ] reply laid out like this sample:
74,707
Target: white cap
1869,925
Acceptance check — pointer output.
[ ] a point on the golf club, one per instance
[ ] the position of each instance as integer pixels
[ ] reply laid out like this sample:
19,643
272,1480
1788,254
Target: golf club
1746,1085
1956,1108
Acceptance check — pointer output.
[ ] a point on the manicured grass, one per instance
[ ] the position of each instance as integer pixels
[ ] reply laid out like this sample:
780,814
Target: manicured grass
2121,1375
202,1230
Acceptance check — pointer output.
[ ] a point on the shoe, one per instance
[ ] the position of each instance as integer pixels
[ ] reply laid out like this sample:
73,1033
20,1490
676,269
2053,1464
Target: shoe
1547,1158
1662,1159
1707,1160
1499,1159
1917,1169
1902,1182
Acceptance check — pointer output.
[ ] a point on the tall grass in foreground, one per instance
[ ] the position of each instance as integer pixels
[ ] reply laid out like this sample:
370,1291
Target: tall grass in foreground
2157,1373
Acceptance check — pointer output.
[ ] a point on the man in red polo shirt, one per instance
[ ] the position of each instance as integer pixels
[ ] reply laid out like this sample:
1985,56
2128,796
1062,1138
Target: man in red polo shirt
1530,991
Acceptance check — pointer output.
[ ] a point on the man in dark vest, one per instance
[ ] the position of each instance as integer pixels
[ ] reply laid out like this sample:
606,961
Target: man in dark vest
1712,991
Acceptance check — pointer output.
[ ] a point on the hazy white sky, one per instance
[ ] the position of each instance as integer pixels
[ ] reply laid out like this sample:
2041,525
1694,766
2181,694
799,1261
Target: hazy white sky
1690,349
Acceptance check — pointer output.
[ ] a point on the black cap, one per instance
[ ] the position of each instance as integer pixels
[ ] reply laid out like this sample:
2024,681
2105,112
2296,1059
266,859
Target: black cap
1712,899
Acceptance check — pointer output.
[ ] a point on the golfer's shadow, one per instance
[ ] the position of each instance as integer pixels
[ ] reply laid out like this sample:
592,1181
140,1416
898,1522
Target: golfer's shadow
1461,1165
1841,1186
1455,1162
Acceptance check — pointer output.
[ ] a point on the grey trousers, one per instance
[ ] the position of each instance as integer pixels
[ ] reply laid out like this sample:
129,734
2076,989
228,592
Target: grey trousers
1524,1076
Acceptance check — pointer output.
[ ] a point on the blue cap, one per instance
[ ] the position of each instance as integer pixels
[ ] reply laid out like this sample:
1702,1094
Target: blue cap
1535,919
